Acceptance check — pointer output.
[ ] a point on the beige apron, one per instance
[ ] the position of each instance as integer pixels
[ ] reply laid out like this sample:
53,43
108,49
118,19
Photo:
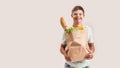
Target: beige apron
77,45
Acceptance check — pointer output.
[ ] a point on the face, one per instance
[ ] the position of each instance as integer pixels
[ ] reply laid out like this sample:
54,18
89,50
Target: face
77,16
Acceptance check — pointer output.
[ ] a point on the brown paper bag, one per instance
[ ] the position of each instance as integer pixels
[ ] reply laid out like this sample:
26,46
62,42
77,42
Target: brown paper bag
77,45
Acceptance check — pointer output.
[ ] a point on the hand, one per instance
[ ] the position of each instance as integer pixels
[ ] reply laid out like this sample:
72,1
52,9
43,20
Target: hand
67,58
89,55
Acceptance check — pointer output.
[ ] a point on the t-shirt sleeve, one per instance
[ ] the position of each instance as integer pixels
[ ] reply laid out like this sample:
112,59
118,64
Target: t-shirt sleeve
63,41
90,36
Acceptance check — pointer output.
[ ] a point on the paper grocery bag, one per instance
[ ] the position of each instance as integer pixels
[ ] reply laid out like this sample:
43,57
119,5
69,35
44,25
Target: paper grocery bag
77,45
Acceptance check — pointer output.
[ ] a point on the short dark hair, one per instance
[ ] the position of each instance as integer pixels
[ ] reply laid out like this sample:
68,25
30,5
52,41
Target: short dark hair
78,8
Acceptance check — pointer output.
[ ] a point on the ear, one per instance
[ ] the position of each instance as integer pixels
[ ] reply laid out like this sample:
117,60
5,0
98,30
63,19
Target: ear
83,15
71,15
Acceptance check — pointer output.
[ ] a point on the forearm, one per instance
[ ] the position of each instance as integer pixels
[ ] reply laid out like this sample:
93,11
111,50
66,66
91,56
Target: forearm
91,46
62,50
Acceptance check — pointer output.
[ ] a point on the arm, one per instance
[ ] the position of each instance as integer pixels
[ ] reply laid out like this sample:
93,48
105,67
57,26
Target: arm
91,46
62,50
92,50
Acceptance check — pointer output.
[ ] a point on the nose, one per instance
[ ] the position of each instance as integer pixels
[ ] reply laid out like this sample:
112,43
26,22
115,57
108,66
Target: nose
78,15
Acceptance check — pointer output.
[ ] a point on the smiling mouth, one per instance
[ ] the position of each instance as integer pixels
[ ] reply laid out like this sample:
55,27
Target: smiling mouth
78,18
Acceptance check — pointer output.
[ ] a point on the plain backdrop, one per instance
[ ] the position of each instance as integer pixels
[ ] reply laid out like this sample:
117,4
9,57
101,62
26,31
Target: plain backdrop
31,34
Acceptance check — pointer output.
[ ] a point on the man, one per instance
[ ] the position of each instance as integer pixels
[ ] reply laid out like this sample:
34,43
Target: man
78,16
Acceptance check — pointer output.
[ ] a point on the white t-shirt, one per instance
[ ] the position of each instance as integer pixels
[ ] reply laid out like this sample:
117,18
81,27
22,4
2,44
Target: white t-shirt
84,63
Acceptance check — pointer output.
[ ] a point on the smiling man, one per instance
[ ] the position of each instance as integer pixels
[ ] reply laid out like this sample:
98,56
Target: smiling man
78,15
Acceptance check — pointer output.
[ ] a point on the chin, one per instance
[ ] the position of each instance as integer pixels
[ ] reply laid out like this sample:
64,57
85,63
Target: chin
79,21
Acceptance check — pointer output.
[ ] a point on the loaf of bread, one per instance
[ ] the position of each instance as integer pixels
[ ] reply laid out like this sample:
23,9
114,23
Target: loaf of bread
63,23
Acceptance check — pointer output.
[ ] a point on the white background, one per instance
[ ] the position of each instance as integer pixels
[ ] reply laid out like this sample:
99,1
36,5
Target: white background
30,32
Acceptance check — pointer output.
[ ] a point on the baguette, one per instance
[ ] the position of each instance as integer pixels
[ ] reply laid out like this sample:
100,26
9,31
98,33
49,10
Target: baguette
63,23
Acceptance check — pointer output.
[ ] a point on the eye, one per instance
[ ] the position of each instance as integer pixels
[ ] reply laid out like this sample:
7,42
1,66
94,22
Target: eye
80,14
75,13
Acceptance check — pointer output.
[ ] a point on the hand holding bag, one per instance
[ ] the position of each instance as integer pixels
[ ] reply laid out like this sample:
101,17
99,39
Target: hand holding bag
77,45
